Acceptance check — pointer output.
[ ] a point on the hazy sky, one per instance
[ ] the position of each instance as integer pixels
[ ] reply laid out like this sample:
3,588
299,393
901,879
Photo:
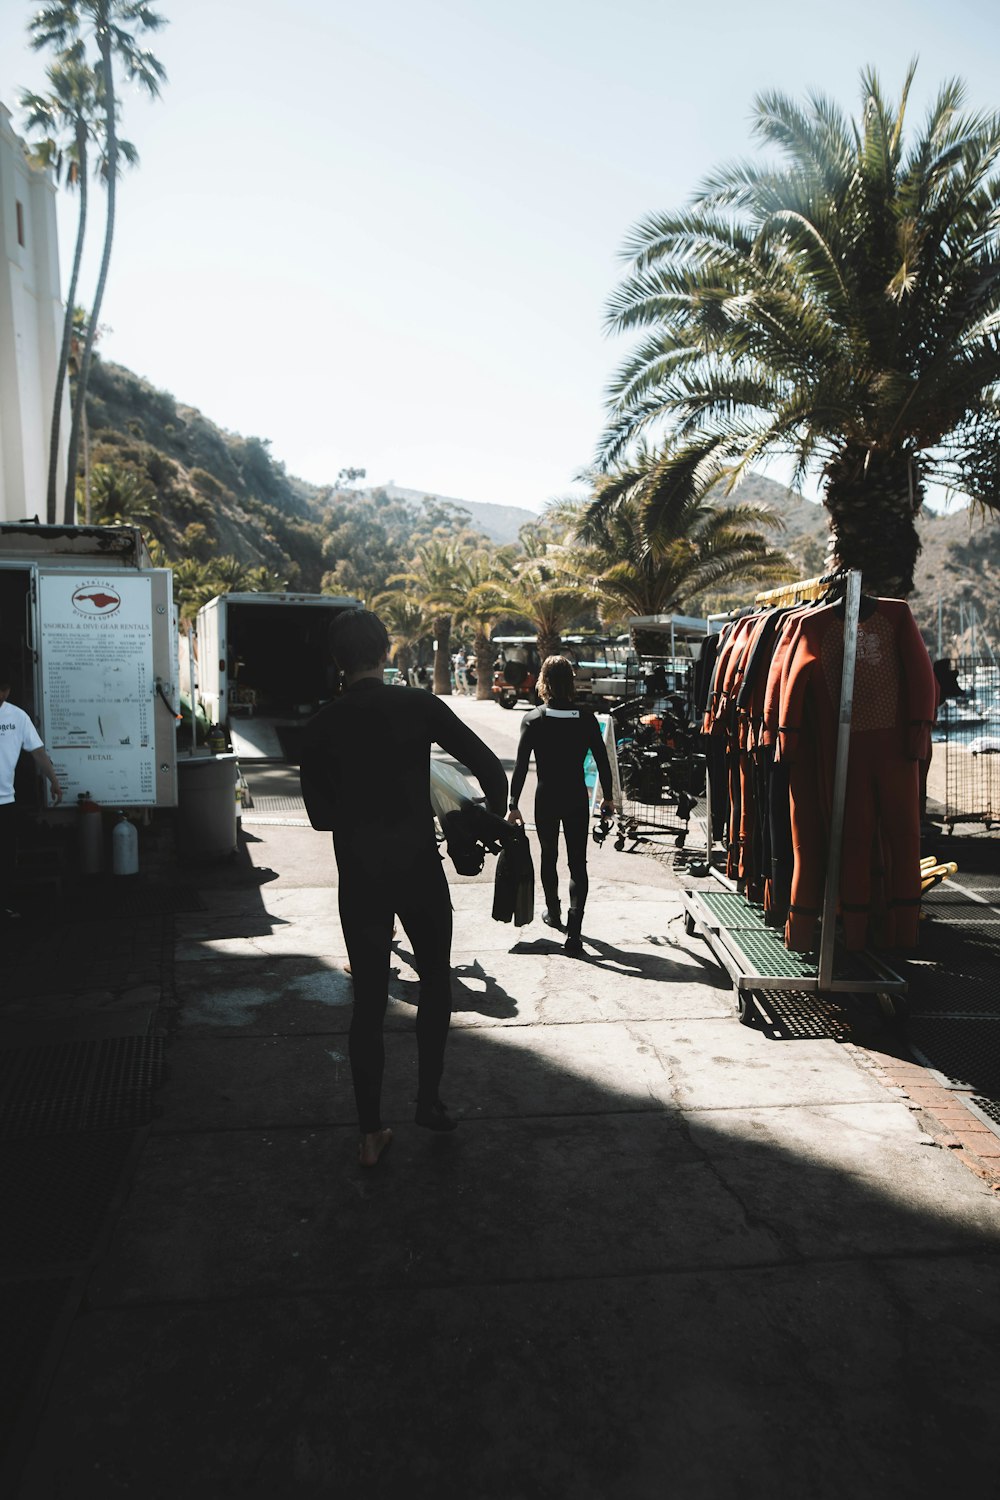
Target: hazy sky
383,235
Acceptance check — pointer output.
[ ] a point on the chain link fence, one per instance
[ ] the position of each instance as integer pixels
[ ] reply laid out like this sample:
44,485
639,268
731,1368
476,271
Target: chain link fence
963,780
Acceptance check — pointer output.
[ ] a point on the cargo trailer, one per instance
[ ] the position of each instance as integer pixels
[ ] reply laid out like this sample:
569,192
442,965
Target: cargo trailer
262,667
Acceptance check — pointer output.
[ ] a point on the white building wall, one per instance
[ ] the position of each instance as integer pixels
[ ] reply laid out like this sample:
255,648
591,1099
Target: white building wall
31,323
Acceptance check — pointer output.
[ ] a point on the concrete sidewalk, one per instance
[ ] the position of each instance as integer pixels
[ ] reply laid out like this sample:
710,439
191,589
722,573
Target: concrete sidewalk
664,1255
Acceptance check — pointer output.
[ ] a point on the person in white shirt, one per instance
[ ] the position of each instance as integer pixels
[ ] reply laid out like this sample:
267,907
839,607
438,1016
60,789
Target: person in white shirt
17,733
458,671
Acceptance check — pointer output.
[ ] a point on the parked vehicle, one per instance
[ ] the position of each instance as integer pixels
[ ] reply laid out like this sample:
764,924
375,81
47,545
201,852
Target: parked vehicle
515,669
263,659
600,664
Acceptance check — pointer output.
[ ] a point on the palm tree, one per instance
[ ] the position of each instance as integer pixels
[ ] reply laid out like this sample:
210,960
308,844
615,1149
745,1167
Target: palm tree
78,336
839,306
538,587
405,621
122,496
698,543
60,25
481,610
231,576
64,123
195,583
437,576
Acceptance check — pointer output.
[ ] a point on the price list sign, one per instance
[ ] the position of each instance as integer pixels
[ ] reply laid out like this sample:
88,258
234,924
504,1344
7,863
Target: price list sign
98,685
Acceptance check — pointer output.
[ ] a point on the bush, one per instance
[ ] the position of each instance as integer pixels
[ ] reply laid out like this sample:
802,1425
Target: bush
191,506
163,406
161,470
208,485
197,540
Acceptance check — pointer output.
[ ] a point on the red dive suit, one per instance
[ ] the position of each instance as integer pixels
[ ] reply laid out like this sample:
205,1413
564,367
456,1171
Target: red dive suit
893,708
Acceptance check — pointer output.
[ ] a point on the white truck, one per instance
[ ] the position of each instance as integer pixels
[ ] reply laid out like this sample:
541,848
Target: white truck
88,632
262,666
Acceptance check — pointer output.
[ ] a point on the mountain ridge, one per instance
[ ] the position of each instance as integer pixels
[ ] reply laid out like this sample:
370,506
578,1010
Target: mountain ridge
217,492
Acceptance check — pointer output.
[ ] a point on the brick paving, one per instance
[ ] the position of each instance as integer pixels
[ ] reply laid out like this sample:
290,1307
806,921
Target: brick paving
942,1112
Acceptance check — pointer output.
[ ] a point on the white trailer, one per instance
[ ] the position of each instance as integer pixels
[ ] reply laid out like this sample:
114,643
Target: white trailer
262,665
88,632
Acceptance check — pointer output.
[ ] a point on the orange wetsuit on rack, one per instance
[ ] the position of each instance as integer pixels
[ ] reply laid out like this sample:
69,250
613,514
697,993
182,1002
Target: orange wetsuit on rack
778,873
723,722
756,756
893,707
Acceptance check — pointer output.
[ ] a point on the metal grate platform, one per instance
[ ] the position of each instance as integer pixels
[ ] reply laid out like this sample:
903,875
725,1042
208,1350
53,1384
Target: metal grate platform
796,1015
736,931
765,948
966,1052
988,1107
102,1084
967,913
733,911
940,993
766,951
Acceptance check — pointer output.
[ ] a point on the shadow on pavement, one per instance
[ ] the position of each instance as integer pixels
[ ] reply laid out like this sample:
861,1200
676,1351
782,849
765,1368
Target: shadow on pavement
659,1258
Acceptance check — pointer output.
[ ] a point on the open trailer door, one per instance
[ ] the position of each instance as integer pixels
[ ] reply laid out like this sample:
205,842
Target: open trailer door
264,667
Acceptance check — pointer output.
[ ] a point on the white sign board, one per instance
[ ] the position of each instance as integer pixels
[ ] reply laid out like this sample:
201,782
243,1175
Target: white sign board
96,638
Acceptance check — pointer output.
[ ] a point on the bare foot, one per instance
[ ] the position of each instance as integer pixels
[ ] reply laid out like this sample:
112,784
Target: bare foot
373,1145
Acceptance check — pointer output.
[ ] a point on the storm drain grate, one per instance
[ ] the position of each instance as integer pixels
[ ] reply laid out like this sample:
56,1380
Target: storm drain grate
104,1084
965,1052
795,1015
57,1191
271,805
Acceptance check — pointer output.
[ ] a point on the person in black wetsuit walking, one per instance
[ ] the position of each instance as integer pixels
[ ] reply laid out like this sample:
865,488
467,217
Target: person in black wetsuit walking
559,734
366,775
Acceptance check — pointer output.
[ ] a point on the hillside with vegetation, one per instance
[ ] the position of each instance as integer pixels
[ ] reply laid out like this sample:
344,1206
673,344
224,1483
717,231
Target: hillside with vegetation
223,512
958,566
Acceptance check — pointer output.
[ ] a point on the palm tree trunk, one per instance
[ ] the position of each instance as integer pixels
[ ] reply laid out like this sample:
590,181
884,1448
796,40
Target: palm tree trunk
69,507
549,643
873,499
403,659
67,334
86,467
442,656
483,647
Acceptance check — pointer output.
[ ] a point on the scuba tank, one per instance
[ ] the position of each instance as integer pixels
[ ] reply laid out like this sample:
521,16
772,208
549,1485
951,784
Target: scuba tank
89,835
124,847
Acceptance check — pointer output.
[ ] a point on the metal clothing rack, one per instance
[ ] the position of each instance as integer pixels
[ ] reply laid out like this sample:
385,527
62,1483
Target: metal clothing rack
753,954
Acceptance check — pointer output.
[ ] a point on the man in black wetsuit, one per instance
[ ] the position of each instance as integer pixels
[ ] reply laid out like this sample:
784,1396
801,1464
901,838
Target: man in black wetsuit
366,775
559,734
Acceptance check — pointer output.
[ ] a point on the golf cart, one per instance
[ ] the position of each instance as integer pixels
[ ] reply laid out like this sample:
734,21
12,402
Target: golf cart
515,669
